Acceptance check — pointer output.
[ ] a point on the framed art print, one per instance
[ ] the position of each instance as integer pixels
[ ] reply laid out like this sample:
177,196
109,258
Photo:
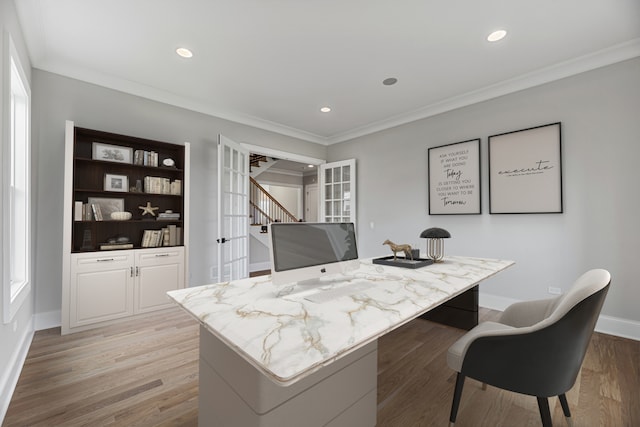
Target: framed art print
454,178
525,171
111,153
113,182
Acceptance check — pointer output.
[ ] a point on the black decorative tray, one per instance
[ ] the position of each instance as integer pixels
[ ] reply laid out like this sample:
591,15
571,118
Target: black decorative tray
403,262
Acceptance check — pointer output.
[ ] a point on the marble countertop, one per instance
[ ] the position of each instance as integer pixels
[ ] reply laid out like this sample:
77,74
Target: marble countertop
287,337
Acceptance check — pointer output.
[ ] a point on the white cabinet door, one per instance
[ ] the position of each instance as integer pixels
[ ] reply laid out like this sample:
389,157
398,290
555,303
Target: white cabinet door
101,287
157,271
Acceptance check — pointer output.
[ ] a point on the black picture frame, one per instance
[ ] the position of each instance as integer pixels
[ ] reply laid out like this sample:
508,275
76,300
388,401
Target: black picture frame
525,171
454,179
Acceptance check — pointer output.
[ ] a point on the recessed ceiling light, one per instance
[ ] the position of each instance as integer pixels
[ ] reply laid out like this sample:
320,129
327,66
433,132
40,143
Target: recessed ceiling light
184,52
390,81
496,35
325,109
310,166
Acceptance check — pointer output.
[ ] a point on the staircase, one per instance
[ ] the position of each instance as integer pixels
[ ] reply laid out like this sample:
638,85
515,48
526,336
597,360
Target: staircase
264,209
259,163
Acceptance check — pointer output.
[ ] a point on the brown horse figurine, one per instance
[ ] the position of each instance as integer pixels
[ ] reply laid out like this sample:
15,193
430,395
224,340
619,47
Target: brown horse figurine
399,248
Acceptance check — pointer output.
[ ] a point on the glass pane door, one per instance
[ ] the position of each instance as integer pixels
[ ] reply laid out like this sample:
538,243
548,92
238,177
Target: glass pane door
233,210
338,191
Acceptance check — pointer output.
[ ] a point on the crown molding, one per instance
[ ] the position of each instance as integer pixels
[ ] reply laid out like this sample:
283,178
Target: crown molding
602,58
614,54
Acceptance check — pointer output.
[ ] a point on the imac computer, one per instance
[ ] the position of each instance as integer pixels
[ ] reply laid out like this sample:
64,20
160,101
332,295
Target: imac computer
305,252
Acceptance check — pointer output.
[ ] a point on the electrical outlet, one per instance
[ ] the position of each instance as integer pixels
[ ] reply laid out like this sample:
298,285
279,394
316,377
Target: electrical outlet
554,291
15,325
213,273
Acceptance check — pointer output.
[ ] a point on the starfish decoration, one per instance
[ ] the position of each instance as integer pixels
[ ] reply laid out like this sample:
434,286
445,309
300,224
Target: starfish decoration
148,209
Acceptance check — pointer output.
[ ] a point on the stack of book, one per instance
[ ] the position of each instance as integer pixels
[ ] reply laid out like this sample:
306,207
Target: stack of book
115,246
168,216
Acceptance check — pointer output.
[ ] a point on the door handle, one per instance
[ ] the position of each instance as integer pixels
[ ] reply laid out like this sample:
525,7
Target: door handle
223,240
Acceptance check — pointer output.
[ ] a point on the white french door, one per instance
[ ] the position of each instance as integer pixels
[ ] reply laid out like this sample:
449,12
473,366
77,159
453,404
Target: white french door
338,191
233,210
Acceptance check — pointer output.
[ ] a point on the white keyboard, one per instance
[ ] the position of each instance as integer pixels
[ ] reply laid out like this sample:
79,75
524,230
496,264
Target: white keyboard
332,294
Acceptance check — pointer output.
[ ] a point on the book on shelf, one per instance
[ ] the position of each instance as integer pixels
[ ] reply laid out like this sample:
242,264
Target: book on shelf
78,212
97,213
153,238
172,235
115,246
176,187
165,236
146,236
145,158
86,212
160,185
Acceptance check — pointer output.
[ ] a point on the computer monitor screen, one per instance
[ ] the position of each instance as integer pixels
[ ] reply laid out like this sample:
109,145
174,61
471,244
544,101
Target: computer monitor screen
302,251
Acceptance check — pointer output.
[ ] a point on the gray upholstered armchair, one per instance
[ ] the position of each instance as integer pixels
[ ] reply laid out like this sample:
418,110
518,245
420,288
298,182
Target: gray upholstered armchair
536,348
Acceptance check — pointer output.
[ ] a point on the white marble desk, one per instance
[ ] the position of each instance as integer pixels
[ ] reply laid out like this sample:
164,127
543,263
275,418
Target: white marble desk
276,337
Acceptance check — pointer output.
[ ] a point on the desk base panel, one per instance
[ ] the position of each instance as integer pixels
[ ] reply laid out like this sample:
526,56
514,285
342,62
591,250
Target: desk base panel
234,393
460,312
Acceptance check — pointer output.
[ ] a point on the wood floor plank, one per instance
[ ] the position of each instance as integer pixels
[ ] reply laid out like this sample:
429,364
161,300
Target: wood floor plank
145,373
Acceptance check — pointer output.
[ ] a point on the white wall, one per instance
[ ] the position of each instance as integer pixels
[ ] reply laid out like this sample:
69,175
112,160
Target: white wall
15,337
600,115
58,98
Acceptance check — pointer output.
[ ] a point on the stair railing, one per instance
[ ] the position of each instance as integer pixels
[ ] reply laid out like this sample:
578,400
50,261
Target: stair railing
264,208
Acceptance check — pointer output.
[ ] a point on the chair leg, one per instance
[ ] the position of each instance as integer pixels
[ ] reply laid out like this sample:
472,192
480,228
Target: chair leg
457,393
565,409
545,414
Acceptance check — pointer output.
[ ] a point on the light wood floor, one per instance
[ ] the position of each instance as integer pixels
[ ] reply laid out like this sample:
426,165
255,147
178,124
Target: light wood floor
145,373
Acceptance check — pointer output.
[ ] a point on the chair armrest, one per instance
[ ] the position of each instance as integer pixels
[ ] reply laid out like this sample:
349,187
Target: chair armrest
528,313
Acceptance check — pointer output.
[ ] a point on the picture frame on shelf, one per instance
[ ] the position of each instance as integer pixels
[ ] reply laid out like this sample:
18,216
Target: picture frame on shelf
525,171
107,205
111,153
454,179
113,182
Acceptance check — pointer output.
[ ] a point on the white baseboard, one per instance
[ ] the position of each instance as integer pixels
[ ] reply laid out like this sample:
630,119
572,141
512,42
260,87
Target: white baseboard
494,302
620,327
606,324
9,378
50,319
260,266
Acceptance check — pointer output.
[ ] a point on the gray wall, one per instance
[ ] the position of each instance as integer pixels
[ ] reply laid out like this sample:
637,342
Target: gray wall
600,115
57,99
17,333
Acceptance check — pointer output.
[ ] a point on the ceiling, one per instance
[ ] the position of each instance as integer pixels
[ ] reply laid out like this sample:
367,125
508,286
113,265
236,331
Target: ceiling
273,64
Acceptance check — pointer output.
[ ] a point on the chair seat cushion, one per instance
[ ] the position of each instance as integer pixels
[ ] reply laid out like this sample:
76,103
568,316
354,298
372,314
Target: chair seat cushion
455,355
